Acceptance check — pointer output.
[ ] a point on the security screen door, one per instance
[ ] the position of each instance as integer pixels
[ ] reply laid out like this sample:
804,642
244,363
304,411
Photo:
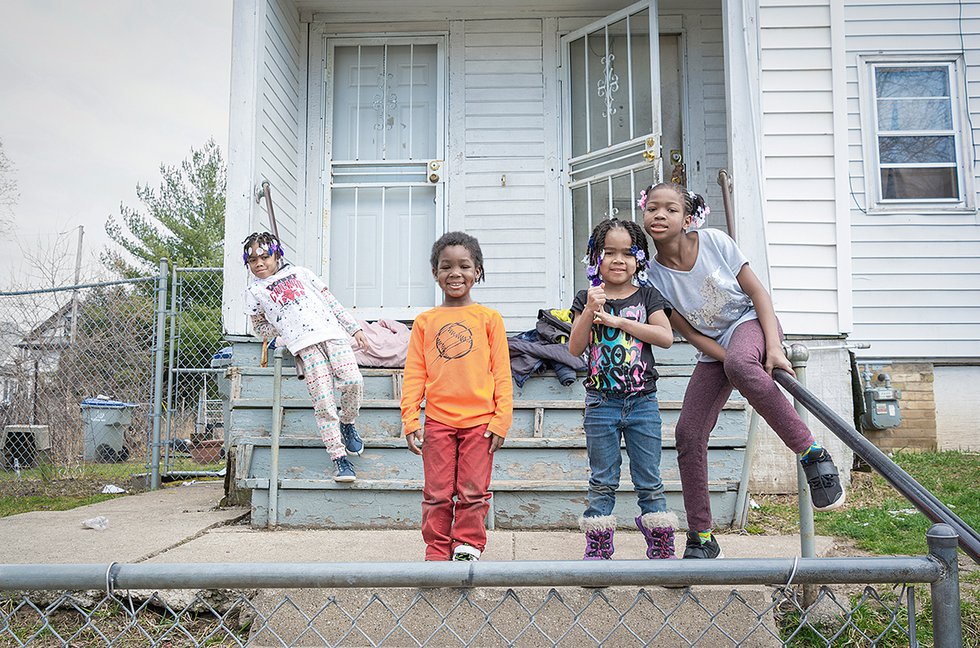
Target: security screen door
611,120
384,163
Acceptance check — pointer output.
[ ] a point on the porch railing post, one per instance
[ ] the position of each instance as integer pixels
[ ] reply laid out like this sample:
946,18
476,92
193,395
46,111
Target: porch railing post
161,342
947,627
798,355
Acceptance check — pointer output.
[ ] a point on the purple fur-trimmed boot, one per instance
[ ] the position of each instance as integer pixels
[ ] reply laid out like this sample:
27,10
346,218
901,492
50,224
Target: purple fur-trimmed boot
658,531
598,537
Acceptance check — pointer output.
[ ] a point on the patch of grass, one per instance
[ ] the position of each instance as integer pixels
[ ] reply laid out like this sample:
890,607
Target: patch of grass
876,517
12,505
879,521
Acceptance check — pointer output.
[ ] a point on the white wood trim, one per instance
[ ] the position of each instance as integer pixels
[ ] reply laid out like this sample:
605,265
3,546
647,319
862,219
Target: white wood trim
315,214
740,24
554,214
309,233
248,20
456,140
845,295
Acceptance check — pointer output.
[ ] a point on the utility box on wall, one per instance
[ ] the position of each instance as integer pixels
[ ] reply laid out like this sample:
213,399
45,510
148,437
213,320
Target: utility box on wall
881,408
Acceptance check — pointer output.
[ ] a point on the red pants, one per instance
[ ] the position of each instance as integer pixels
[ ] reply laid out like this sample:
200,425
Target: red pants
457,463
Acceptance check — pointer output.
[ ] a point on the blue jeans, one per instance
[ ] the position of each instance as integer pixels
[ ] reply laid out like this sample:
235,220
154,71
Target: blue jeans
636,418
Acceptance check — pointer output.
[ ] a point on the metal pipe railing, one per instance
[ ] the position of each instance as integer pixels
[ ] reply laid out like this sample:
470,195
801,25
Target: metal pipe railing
544,573
276,432
725,182
927,503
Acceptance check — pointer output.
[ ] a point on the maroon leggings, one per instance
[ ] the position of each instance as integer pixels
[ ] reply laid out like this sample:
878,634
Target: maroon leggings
708,391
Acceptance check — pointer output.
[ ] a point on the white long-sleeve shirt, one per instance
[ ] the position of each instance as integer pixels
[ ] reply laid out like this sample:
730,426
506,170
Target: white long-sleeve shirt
299,307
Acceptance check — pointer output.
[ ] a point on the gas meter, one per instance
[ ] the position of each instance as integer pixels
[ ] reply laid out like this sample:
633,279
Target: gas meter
881,409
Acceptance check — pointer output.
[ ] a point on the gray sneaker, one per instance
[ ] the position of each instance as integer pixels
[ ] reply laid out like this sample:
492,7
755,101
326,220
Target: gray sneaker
826,491
345,471
697,549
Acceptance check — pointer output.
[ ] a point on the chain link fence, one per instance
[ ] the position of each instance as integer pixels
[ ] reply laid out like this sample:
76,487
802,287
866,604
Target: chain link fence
194,439
81,387
77,382
621,603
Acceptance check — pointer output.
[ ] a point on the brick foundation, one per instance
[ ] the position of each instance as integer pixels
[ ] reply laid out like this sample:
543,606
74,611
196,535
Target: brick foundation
918,405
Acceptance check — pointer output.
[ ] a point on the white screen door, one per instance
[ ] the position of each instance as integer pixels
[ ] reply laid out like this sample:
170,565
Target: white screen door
384,162
611,120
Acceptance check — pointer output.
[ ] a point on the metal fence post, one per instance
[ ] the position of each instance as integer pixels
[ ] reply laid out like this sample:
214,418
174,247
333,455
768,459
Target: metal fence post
798,355
161,335
946,623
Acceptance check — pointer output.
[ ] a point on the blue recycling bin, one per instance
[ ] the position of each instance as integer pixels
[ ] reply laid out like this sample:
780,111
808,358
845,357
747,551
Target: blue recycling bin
106,422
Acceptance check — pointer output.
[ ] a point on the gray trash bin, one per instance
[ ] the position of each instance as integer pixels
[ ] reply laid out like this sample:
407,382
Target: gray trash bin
106,422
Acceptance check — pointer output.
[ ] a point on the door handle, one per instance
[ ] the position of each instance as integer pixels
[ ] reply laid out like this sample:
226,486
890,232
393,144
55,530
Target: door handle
434,166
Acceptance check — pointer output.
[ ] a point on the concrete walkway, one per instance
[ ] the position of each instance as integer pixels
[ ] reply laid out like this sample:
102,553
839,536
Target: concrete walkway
183,524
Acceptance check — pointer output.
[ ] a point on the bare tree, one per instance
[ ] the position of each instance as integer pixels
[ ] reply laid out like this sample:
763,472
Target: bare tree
8,192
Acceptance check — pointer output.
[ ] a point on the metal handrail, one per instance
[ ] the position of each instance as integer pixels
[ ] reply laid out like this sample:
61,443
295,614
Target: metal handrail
725,182
927,503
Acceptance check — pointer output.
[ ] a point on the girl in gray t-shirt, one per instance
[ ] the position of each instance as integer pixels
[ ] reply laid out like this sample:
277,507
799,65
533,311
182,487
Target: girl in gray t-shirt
721,307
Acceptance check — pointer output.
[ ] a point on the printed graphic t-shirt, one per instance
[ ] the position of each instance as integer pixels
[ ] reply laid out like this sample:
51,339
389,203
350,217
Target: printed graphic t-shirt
297,303
708,295
458,360
618,362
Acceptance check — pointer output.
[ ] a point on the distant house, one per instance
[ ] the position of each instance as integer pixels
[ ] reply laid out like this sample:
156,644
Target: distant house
846,126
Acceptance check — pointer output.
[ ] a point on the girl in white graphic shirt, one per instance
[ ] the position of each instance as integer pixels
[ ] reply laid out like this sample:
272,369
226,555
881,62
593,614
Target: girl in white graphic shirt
293,304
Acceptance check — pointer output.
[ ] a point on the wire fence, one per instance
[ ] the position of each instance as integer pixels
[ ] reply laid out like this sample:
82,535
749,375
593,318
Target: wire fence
620,603
81,389
194,439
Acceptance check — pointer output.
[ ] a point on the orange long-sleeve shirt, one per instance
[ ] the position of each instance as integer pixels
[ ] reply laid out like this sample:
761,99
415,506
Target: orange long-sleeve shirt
459,362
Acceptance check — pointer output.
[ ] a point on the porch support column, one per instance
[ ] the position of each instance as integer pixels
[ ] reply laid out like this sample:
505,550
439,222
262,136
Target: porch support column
744,107
248,16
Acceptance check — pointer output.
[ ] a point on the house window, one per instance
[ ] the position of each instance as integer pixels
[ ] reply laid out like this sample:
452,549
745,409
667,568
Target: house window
917,143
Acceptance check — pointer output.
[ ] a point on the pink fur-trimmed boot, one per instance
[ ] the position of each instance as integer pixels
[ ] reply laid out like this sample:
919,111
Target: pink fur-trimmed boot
598,536
658,530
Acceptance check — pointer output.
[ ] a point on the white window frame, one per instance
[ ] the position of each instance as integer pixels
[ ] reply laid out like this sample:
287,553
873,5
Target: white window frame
961,132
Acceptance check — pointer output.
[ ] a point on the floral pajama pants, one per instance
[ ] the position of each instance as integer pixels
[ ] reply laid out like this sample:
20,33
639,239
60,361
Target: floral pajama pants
331,365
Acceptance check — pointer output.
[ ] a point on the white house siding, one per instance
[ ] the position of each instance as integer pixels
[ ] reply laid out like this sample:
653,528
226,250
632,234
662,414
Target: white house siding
280,124
266,137
500,192
504,161
798,163
916,275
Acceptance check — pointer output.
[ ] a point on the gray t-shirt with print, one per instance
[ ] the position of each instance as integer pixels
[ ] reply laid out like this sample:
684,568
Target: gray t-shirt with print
708,295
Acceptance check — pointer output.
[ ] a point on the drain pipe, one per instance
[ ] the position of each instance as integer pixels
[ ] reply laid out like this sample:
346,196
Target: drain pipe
276,430
741,516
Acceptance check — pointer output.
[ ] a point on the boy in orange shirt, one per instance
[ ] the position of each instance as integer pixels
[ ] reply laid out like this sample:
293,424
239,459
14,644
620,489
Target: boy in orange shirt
458,361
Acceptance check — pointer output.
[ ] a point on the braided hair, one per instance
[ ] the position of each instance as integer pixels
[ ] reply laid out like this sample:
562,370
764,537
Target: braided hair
597,242
462,239
694,203
267,240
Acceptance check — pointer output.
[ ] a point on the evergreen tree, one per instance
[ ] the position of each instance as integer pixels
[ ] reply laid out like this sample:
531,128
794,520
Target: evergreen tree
183,220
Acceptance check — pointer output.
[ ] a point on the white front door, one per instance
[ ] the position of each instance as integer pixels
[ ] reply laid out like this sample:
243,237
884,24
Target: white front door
384,151
611,121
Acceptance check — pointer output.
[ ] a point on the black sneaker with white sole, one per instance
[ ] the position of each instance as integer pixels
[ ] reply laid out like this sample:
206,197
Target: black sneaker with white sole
826,492
697,549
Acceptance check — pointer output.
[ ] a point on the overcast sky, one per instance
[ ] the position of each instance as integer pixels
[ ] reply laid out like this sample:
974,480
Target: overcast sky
94,96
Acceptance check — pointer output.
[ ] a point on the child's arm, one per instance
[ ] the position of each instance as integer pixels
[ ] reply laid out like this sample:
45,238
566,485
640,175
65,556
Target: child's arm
413,389
582,322
701,342
503,386
346,320
751,286
656,330
263,327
